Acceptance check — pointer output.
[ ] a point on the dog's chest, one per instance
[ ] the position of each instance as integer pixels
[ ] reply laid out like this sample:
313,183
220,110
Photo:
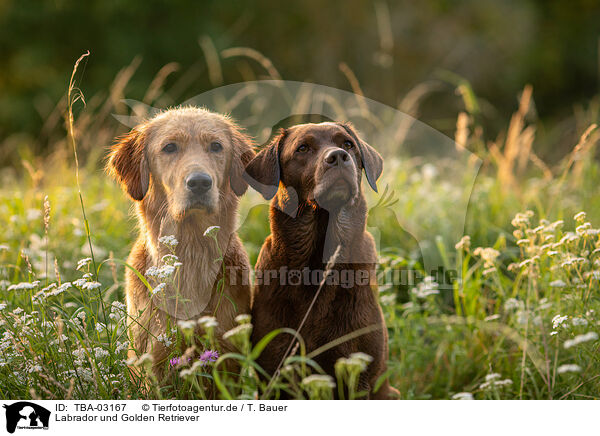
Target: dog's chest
190,288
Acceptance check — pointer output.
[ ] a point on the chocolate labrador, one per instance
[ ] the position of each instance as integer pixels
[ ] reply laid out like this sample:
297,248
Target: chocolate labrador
319,244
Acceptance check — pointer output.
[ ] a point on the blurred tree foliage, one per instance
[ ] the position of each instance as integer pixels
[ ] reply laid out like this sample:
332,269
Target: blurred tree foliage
391,46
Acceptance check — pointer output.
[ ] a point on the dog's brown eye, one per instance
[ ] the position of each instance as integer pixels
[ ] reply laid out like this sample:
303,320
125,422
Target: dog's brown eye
303,148
347,145
216,147
170,148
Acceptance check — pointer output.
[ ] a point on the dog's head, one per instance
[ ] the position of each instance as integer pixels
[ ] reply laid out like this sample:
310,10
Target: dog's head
188,157
321,164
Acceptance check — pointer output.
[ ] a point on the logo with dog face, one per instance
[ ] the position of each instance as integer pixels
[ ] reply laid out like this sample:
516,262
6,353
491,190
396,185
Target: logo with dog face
26,415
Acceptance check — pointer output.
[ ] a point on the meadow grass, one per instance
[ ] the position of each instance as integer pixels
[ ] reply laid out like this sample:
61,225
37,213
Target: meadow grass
520,322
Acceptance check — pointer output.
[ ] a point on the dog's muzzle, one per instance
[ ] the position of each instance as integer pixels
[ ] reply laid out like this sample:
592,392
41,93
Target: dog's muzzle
337,158
199,185
336,186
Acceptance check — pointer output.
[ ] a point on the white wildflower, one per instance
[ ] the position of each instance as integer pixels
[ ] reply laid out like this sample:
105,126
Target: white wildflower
39,297
145,359
488,271
351,364
169,259
580,339
120,347
100,353
192,370
426,288
583,228
594,275
79,282
152,271
464,243
579,322
169,241
239,336
90,286
165,272
61,338
24,286
558,321
568,368
35,368
580,217
49,287
555,225
492,376
187,325
522,317
319,381
362,356
211,231
86,374
165,340
462,396
488,255
522,219
538,229
492,380
83,262
545,304
243,318
79,353
387,300
117,306
558,284
207,322
159,288
513,303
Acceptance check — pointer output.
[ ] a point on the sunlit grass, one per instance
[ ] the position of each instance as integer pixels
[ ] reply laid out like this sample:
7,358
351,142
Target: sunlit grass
521,322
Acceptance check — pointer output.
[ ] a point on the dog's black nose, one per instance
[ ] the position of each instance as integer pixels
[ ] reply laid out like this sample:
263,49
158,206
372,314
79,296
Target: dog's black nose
199,183
337,157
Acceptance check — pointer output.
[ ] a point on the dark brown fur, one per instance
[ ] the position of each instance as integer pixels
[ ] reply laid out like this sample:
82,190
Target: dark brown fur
310,219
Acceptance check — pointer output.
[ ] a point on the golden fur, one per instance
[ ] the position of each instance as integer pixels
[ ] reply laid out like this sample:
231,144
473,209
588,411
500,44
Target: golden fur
156,181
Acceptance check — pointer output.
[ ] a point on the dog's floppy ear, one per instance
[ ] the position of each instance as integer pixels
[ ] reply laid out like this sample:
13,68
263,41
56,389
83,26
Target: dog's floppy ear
241,155
371,160
128,165
263,173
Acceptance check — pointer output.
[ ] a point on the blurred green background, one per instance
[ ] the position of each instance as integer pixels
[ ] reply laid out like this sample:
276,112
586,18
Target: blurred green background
463,67
392,47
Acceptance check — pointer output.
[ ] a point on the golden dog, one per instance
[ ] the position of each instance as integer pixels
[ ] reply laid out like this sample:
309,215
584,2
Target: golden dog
183,168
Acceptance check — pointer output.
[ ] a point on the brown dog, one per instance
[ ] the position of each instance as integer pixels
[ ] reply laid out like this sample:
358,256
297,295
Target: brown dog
318,216
183,169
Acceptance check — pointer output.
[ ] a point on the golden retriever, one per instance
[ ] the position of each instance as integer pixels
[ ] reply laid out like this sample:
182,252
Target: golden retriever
183,169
